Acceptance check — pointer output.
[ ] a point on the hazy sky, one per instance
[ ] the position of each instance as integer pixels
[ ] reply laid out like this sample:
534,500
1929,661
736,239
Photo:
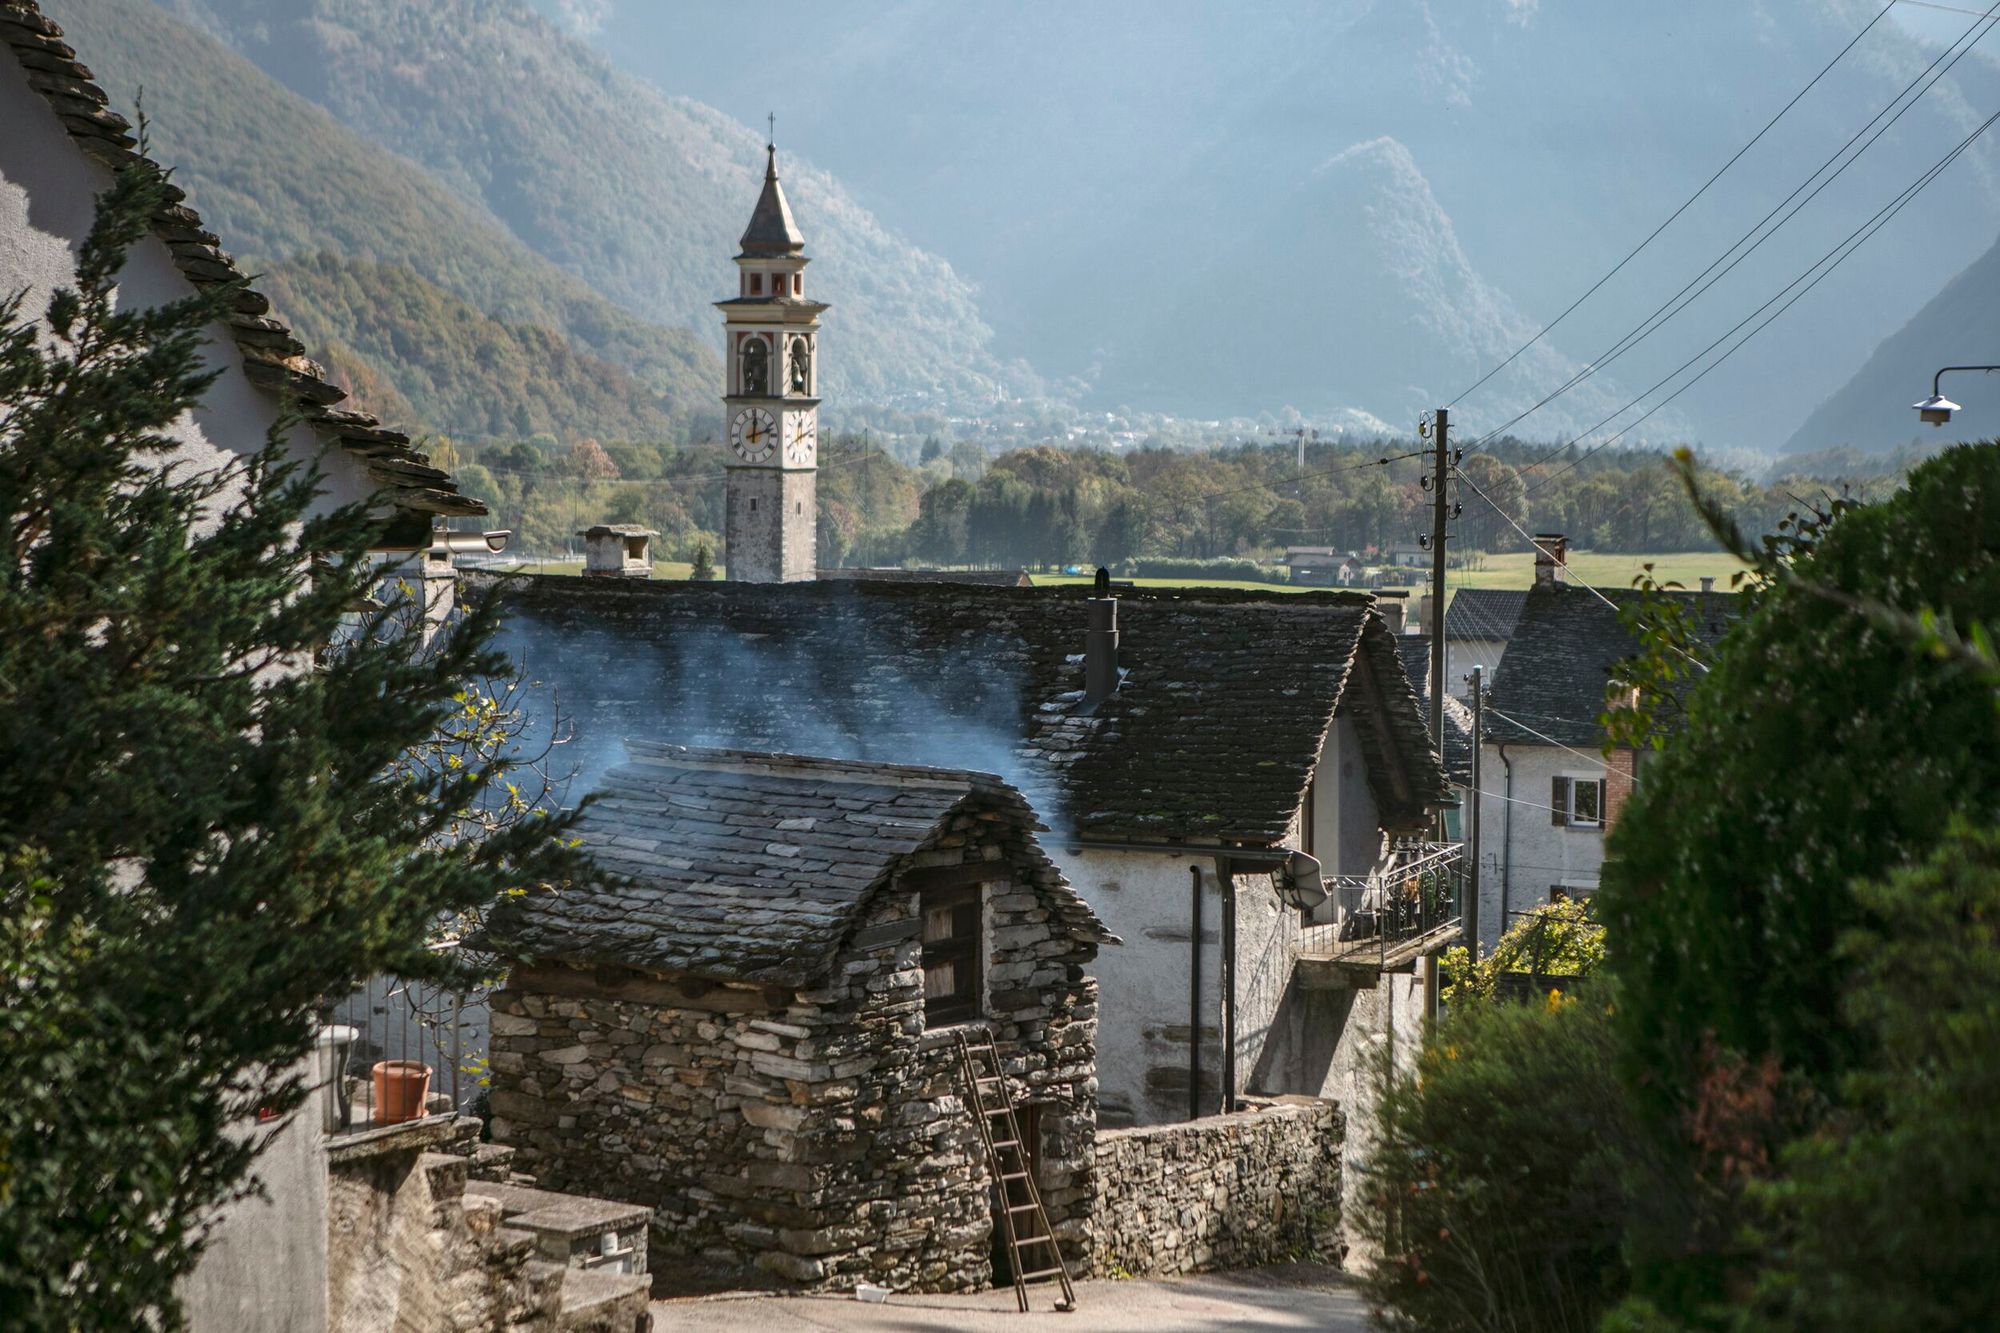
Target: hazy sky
1038,144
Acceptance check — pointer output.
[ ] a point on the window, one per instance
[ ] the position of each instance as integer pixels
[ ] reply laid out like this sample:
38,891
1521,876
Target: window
1577,802
952,980
798,284
756,284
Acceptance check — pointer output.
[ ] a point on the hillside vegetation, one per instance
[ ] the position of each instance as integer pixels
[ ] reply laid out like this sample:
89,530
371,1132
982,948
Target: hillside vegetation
433,313
640,194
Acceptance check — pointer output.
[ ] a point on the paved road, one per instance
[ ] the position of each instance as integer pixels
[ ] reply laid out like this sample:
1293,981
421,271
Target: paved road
1285,1297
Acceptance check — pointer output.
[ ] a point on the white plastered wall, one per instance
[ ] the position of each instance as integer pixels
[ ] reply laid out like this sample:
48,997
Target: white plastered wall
1525,859
48,192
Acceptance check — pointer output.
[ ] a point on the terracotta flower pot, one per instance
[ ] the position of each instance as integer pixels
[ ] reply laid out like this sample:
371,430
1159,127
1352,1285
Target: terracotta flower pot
402,1087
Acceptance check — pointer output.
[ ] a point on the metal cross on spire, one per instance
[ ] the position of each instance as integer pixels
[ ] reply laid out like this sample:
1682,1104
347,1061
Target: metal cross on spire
773,140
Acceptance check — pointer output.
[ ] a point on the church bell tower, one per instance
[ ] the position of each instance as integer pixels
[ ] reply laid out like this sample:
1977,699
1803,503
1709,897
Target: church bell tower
770,404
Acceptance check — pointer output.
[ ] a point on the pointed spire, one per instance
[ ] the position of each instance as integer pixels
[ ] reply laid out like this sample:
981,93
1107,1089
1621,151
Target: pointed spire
771,231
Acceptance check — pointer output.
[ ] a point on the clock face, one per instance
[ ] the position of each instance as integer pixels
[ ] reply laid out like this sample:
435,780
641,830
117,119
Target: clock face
801,438
754,435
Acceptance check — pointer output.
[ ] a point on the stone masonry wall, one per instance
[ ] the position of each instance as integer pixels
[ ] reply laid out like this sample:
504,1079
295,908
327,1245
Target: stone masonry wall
1228,1191
815,1137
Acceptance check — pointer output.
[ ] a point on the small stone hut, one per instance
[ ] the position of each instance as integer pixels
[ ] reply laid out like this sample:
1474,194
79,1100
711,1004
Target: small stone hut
748,1023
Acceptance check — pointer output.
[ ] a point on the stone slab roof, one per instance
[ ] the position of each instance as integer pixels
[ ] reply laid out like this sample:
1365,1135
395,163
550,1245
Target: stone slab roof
1483,613
1415,650
755,867
997,578
1559,661
273,358
1213,733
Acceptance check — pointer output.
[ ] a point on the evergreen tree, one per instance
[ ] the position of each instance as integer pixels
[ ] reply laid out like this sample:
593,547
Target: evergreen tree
704,565
215,806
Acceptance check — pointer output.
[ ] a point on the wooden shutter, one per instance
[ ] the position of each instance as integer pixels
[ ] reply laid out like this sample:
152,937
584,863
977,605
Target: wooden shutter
1559,801
951,928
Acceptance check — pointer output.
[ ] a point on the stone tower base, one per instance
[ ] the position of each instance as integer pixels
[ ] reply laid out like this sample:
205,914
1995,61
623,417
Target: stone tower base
770,516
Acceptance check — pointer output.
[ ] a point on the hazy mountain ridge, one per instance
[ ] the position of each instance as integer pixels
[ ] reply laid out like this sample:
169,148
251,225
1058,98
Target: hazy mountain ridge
1089,163
429,303
1872,410
639,193
1389,293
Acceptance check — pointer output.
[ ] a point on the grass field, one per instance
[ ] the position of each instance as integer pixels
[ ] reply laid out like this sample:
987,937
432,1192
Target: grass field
1514,570
1517,569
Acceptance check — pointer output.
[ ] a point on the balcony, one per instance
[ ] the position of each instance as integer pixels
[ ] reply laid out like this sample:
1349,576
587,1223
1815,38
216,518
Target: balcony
1385,921
399,1053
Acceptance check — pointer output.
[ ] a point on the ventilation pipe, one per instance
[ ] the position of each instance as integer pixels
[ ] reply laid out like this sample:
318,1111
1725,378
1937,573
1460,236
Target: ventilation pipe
1100,644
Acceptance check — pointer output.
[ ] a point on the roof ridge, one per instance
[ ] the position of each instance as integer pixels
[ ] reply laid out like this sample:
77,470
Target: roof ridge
273,357
714,759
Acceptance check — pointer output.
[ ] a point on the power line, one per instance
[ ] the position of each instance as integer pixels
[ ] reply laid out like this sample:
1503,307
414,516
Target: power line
1685,205
1838,255
1595,759
1700,284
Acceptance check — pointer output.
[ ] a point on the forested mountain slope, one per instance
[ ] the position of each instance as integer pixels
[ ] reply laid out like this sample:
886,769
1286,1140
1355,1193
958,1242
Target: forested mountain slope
1872,411
639,193
430,310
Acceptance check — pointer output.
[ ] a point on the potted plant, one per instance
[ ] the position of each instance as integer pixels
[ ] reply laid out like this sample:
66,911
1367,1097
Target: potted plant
402,1090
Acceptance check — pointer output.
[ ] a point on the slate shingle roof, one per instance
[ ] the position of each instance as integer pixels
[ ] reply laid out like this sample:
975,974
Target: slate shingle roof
1213,733
1483,613
1415,650
1559,661
997,578
756,867
273,358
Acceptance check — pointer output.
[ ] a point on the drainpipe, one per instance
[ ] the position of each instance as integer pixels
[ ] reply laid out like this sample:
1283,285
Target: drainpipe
1506,841
1194,993
1227,879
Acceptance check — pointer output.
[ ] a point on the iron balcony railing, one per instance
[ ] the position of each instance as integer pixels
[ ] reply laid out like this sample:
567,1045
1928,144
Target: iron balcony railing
398,1050
1403,909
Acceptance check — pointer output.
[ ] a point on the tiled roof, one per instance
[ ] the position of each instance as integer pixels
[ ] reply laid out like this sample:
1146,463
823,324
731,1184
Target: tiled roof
1560,658
757,867
1213,733
272,358
1483,613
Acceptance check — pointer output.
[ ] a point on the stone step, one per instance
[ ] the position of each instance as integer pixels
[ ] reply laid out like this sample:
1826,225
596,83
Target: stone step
491,1161
583,1233
446,1173
605,1302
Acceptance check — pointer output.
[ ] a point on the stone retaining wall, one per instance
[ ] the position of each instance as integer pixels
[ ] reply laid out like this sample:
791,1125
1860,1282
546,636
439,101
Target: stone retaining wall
1228,1191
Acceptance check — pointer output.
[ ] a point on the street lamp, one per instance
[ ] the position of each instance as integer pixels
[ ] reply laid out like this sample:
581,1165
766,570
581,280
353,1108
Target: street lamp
1937,409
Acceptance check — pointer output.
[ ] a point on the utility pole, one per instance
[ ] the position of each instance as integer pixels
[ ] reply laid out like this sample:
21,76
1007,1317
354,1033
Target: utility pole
1469,909
1440,512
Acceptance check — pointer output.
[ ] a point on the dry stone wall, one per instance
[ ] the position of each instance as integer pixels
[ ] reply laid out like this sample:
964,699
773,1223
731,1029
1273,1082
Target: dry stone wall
1229,1191
811,1137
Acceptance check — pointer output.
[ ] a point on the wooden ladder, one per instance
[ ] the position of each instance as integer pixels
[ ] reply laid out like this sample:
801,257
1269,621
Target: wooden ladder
1007,1160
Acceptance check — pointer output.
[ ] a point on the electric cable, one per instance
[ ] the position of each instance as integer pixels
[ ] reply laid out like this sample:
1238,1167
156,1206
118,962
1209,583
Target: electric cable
1686,204
1702,282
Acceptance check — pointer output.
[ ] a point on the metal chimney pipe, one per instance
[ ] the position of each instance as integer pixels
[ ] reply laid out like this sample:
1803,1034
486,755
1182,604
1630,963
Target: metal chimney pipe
1100,644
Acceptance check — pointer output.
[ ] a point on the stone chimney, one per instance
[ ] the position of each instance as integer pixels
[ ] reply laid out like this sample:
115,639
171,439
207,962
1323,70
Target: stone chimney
1551,559
1100,644
1394,608
618,550
1426,613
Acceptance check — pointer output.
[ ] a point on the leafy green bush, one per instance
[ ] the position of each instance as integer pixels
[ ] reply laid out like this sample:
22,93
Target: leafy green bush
1883,1218
1557,940
1822,748
1494,1193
